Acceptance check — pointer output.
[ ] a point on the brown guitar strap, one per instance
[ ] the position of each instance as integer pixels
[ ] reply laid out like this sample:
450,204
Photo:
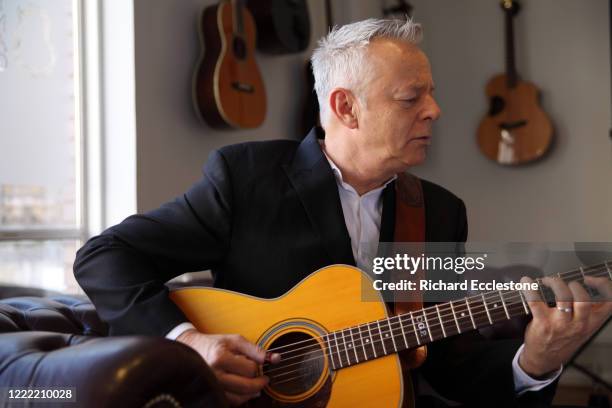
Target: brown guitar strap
410,227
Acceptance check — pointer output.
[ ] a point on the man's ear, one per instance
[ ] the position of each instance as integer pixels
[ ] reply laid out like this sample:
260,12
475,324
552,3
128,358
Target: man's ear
344,107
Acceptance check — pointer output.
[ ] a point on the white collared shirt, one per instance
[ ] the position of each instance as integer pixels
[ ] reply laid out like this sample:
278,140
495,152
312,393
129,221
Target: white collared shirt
362,216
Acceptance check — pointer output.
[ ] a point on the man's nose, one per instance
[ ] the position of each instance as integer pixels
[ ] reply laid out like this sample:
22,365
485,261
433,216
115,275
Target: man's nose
432,111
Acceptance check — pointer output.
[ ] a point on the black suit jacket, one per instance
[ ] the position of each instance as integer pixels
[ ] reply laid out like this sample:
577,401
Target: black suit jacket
263,217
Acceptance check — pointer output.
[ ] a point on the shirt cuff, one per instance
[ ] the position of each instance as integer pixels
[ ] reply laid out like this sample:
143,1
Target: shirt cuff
178,330
523,382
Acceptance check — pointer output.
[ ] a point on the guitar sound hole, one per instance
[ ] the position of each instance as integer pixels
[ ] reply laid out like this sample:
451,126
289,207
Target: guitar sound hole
301,365
239,48
497,105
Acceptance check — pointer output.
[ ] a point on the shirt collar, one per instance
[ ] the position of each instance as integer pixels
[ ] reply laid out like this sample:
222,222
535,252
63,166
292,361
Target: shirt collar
340,180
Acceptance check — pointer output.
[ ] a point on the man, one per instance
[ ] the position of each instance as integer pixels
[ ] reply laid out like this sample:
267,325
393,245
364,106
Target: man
267,214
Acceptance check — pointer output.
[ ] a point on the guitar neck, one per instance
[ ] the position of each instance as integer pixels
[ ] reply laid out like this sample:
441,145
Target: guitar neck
238,6
329,17
510,9
376,339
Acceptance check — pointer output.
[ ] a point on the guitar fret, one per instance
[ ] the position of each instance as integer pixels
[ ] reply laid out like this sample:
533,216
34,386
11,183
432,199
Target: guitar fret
501,295
486,308
446,319
427,324
399,317
514,304
392,335
441,322
467,302
338,349
331,356
348,359
365,355
354,347
416,333
455,317
499,310
609,270
524,303
465,320
371,340
381,338
422,326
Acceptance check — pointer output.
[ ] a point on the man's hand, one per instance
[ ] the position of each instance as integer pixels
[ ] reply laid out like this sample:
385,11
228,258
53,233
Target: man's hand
234,360
555,334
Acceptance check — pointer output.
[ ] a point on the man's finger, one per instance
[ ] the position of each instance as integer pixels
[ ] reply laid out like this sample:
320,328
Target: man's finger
582,301
602,284
240,365
603,308
241,345
563,297
242,385
536,304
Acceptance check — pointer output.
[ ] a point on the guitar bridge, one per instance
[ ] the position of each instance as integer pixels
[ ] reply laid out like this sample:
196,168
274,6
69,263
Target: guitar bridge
512,125
242,87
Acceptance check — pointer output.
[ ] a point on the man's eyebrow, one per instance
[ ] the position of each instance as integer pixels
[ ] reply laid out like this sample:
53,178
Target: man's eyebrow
420,86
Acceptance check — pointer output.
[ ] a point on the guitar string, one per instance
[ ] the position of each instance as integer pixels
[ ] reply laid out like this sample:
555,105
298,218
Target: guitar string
306,369
513,294
600,267
475,308
338,354
479,317
477,314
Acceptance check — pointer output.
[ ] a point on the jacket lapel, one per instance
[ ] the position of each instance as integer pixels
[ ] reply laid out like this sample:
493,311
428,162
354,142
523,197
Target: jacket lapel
313,180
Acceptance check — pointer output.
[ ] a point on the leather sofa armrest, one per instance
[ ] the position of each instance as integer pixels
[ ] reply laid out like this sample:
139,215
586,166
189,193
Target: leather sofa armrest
129,371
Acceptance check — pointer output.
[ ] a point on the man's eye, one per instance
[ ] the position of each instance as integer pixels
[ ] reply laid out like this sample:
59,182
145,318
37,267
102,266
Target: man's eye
410,100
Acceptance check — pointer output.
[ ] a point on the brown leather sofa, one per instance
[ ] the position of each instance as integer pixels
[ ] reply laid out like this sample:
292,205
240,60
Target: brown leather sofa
60,342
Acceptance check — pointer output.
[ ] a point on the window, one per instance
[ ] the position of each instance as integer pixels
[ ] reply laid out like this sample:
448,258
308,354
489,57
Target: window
41,161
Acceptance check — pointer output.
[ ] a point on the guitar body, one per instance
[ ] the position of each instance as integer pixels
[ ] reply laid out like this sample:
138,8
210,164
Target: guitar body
516,130
228,87
327,300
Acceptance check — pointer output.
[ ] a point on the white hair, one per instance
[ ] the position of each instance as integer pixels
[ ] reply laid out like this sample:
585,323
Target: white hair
339,58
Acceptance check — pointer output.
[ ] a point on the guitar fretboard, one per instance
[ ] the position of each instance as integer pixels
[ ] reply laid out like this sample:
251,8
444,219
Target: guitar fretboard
376,339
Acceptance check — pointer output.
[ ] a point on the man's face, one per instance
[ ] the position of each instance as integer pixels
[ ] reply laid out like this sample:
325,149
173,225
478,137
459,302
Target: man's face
395,123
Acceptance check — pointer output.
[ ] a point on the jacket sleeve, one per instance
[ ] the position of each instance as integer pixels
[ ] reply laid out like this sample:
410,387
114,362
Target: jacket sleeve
123,270
474,370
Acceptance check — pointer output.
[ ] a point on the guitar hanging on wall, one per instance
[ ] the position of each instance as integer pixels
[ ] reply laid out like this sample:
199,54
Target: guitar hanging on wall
228,89
516,130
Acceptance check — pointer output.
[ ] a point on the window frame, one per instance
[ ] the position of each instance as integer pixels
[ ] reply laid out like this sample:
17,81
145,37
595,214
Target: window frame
85,26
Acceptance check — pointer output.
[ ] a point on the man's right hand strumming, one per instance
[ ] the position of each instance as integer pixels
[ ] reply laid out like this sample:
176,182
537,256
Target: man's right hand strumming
234,360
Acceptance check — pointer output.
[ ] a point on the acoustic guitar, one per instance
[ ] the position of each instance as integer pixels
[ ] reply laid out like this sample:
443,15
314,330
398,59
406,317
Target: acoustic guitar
228,88
516,130
338,350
